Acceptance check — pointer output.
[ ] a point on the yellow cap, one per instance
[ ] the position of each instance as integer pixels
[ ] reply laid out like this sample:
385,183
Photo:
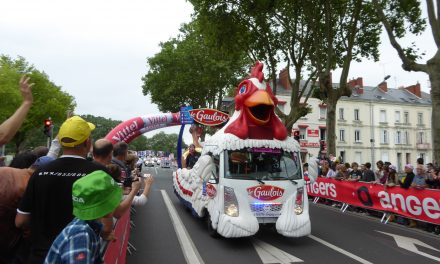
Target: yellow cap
74,131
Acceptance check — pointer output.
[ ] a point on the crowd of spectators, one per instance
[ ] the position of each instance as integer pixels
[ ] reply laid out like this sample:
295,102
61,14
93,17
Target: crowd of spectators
420,176
64,205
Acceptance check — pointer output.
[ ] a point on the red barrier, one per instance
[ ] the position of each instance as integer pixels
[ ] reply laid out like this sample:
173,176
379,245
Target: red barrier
116,250
413,203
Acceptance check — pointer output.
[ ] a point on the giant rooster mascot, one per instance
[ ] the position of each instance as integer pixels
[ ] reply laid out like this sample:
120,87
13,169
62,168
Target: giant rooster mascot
254,124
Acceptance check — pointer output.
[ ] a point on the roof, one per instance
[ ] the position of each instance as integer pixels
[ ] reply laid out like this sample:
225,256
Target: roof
374,94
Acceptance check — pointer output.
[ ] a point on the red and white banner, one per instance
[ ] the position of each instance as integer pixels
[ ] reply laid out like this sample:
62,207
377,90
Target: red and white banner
209,117
132,128
312,132
413,203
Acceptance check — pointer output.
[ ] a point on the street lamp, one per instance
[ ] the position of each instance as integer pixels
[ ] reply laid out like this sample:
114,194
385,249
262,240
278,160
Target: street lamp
372,140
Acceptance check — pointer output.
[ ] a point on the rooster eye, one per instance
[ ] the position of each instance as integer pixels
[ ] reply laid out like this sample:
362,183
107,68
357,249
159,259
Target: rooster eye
242,89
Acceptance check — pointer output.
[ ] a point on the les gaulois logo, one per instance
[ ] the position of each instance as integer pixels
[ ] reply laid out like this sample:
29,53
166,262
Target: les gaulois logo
211,191
265,192
209,117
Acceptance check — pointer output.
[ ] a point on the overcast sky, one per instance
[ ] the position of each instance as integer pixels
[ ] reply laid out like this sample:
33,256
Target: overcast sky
96,50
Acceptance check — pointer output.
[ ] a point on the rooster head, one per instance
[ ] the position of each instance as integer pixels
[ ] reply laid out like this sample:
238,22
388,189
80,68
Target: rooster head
255,101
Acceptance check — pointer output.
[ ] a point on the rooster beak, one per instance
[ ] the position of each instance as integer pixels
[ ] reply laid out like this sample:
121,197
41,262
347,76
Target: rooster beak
259,107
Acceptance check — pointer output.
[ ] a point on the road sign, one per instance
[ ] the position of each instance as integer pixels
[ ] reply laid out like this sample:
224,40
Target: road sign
185,116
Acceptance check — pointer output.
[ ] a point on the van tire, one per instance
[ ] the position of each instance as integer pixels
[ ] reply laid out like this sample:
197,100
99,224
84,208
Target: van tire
211,231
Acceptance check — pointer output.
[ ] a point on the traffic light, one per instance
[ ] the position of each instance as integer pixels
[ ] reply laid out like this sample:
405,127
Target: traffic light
48,127
296,135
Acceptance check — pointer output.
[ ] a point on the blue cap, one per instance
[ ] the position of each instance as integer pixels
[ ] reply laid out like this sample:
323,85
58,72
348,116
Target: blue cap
43,160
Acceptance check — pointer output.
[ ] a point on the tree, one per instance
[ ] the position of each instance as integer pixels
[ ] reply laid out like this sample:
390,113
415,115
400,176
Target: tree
269,31
188,72
400,18
163,142
49,99
342,31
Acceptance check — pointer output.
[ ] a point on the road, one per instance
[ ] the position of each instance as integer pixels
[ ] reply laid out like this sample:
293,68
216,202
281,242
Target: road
336,237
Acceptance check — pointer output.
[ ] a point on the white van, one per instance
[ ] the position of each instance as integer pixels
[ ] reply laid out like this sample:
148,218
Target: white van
237,190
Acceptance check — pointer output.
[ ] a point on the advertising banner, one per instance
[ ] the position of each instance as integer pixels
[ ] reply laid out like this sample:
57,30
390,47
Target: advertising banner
312,132
413,203
117,250
185,116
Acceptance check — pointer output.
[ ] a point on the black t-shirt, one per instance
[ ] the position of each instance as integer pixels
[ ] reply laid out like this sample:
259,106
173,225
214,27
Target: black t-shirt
48,198
368,176
355,173
408,180
191,160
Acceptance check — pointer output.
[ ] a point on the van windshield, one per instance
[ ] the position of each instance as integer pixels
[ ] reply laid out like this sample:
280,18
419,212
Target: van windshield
262,164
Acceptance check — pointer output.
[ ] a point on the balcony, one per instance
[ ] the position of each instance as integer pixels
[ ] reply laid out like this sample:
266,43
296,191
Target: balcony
423,146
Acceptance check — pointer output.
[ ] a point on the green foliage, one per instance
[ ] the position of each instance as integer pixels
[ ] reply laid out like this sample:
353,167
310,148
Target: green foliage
140,143
49,99
164,142
103,125
188,72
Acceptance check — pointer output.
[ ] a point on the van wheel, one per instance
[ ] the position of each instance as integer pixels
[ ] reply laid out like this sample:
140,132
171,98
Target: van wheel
211,231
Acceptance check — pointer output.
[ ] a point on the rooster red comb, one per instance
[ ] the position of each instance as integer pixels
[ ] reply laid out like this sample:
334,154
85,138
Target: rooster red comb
257,71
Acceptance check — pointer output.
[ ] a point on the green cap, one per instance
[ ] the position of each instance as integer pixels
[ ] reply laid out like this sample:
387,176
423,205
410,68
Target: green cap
95,195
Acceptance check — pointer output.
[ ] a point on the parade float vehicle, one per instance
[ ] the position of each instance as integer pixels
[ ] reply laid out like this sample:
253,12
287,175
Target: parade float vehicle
250,171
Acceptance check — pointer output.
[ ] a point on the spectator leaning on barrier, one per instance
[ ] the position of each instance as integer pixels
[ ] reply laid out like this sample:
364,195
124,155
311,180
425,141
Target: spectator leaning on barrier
355,174
406,181
367,174
379,171
46,206
419,180
392,176
434,181
94,196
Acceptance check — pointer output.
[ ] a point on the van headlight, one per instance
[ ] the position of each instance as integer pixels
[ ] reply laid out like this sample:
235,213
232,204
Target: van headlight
299,201
230,202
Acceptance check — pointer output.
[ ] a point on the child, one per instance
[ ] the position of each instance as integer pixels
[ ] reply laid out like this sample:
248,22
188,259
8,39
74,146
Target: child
95,196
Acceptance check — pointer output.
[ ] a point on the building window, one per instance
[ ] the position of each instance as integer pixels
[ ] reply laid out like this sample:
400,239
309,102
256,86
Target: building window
383,116
341,113
302,133
342,135
397,113
384,137
405,137
385,156
419,118
420,137
358,157
322,112
398,139
357,136
406,117
356,114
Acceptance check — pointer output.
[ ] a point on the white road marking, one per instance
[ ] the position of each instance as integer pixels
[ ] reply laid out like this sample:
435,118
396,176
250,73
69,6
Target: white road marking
155,170
270,254
190,252
409,244
340,250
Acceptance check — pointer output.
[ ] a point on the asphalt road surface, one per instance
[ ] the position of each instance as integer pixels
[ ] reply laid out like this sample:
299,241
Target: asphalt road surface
165,232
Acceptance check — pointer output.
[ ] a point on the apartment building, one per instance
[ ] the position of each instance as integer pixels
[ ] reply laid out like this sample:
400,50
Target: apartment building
375,123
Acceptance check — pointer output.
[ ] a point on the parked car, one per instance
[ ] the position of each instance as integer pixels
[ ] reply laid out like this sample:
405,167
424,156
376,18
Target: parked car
149,162
165,163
